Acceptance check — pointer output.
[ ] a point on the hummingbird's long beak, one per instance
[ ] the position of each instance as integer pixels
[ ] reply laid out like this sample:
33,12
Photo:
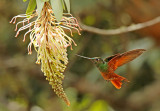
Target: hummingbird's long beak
84,57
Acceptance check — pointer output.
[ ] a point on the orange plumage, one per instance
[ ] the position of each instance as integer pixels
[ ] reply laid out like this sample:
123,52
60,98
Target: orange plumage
117,61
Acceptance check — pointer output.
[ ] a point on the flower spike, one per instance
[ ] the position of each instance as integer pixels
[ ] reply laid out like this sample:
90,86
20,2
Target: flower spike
50,41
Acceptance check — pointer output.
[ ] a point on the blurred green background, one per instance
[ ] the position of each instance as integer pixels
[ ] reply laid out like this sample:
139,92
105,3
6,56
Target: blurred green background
24,88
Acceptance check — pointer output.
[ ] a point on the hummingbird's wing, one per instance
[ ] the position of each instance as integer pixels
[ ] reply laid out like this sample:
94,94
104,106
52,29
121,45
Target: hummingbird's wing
124,58
110,57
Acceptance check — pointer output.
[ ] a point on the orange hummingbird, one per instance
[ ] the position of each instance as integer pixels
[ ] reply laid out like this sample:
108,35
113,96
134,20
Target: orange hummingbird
110,64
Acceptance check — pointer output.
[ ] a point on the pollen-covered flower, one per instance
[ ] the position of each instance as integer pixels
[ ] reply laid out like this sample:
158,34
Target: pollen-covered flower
50,42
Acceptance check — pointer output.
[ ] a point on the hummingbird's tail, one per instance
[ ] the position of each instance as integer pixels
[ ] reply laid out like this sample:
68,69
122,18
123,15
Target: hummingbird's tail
116,80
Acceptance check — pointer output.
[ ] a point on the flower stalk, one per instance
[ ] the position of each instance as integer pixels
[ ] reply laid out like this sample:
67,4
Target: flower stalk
48,37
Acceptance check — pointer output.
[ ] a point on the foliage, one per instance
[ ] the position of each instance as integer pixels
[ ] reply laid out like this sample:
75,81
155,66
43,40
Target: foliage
57,6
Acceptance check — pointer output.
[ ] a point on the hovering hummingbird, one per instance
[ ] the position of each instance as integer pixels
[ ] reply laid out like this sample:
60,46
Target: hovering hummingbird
110,64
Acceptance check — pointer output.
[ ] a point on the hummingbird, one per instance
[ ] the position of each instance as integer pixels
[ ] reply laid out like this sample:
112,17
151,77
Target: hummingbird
111,63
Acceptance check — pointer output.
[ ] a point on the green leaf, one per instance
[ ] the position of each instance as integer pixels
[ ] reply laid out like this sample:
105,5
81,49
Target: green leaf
45,0
24,0
67,2
40,5
31,7
57,8
99,105
63,5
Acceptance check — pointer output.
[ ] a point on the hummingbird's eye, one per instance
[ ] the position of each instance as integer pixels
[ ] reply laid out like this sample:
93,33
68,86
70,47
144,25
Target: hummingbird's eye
97,59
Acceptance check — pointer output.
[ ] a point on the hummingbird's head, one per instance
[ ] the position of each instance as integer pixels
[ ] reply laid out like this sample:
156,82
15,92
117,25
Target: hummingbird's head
97,60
